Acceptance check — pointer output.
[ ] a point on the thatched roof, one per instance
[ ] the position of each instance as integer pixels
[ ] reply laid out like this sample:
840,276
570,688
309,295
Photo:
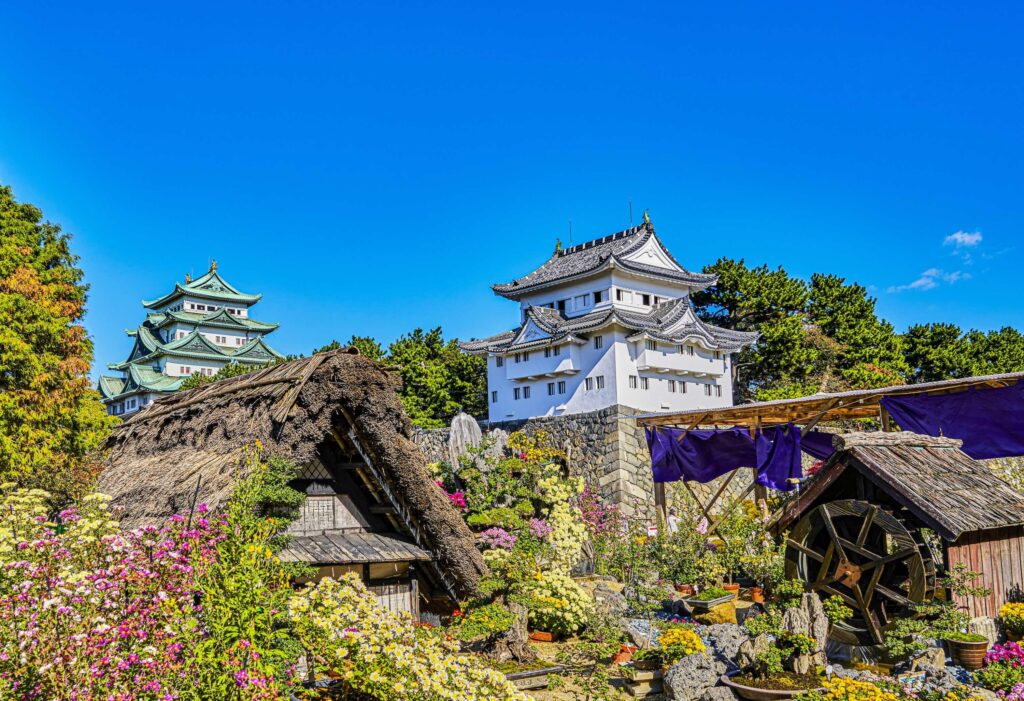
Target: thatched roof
946,489
154,459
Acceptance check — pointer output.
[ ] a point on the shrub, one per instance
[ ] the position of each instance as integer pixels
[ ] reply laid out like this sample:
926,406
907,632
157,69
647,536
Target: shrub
557,603
1012,615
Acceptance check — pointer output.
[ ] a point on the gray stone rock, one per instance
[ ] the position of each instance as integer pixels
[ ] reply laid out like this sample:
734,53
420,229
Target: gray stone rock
749,650
985,694
718,693
808,618
939,679
610,601
725,639
932,657
691,677
984,625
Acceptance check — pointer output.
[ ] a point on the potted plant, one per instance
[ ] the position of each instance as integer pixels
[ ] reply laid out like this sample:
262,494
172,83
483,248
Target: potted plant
967,649
676,642
734,533
1012,617
709,598
648,659
764,563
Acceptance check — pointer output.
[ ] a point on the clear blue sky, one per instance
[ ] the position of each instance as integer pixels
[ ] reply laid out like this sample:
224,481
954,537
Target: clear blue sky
372,167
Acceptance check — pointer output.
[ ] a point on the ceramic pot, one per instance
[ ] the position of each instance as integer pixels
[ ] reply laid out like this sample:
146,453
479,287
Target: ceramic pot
1013,637
685,589
542,636
733,589
647,664
970,656
752,693
756,595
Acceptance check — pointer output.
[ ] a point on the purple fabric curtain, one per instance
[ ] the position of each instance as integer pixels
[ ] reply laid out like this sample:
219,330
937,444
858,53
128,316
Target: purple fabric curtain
988,421
703,455
817,444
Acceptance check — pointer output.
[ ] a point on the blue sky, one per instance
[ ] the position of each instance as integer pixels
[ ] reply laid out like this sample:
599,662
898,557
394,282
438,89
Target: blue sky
373,167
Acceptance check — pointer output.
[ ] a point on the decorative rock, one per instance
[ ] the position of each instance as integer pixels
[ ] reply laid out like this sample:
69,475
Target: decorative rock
934,657
723,613
939,679
463,435
718,693
609,601
808,619
750,649
725,639
983,625
688,679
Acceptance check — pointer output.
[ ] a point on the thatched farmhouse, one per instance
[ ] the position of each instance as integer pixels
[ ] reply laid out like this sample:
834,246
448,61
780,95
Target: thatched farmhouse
372,506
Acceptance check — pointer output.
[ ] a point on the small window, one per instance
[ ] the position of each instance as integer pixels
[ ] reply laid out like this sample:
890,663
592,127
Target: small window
619,296
645,383
682,386
560,306
526,392
494,396
588,383
689,350
581,301
239,341
599,297
499,361
547,352
551,388
657,300
632,382
515,393
600,381
598,341
645,300
651,344
201,307
707,390
556,351
561,386
526,356
519,357
672,386
718,390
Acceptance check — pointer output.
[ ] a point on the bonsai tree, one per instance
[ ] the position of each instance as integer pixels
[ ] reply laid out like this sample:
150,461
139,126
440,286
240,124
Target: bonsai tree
734,533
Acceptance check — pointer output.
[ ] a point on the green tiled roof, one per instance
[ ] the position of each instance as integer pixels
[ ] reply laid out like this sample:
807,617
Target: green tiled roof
111,386
209,286
148,347
220,318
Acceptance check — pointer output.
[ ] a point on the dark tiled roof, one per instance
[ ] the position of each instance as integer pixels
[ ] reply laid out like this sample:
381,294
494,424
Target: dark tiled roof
589,257
661,322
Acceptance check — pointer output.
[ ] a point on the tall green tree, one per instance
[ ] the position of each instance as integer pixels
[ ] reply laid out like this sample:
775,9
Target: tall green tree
936,352
50,416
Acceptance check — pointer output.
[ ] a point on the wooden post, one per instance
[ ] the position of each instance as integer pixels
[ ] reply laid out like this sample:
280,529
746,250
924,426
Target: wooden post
885,419
414,593
660,504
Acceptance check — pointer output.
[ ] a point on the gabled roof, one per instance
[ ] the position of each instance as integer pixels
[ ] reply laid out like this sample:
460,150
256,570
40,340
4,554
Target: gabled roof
950,492
110,386
148,347
209,286
602,254
188,447
671,322
220,318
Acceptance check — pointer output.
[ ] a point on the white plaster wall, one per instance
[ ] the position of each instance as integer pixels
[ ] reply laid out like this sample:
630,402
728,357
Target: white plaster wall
174,368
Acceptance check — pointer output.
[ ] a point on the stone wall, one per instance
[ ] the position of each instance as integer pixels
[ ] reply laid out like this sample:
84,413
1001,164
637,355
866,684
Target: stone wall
606,447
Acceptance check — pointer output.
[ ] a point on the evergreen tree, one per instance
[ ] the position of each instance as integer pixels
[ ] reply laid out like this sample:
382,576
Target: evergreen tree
50,416
936,352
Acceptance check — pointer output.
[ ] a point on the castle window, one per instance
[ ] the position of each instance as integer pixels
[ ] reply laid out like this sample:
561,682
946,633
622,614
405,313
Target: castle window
645,300
556,351
682,386
526,356
672,386
645,383
551,388
718,390
519,357
499,361
526,392
494,396
582,301
599,297
707,390
588,383
600,381
560,306
598,341
632,381
547,352
515,393
651,344
561,386
619,296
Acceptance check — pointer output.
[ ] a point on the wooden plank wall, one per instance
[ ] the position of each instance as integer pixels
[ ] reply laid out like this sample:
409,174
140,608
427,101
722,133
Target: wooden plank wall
999,555
394,596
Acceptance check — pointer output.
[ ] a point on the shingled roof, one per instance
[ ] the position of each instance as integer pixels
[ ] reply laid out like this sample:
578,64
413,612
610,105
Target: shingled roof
296,410
598,255
932,478
667,321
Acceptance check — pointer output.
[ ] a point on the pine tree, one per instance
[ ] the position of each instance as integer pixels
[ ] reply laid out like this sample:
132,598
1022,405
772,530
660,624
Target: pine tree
50,416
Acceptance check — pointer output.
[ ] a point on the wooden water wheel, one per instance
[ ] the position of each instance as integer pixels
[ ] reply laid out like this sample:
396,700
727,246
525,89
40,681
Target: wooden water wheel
868,557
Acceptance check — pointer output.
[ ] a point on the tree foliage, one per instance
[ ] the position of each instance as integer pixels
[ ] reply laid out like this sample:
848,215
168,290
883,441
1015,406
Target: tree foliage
230,370
50,416
825,336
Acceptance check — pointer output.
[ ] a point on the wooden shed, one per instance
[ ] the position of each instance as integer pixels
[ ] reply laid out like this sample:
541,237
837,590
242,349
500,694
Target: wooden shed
872,523
372,506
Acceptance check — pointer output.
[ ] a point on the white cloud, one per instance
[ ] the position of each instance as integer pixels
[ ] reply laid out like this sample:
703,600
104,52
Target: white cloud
930,279
963,239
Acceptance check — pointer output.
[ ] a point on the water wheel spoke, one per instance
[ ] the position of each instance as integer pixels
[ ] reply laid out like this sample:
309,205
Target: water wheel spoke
865,528
805,550
867,614
898,555
854,548
869,590
831,528
895,596
835,592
